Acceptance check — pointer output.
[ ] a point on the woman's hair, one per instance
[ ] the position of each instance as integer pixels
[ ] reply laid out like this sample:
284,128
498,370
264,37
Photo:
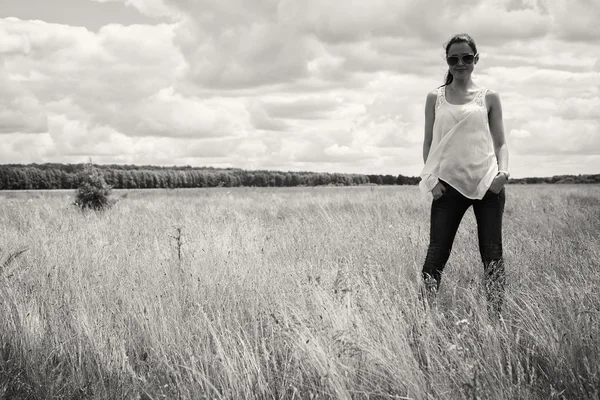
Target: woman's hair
459,38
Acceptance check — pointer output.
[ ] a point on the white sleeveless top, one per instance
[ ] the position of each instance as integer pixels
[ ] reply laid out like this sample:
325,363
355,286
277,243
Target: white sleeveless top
462,151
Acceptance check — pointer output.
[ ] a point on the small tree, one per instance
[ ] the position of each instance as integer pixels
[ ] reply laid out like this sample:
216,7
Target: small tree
93,192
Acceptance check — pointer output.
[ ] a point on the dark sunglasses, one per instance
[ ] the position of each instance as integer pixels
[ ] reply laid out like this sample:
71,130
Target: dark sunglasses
466,59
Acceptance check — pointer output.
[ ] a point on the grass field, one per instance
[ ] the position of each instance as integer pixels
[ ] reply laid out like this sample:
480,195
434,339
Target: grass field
304,293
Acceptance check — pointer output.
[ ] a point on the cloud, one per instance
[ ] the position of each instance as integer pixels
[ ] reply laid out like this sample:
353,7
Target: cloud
76,138
20,119
303,107
556,135
492,23
261,119
150,8
169,114
311,152
19,148
340,21
549,165
73,62
20,110
576,20
519,133
244,56
575,108
336,85
336,151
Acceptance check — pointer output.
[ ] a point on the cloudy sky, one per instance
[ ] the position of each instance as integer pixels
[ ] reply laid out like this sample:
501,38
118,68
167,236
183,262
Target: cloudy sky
318,85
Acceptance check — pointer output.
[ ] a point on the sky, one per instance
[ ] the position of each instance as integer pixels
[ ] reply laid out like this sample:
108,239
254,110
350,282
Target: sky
291,85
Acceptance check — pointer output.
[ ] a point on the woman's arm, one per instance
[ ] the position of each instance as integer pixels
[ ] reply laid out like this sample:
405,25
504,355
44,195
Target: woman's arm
497,130
429,118
439,189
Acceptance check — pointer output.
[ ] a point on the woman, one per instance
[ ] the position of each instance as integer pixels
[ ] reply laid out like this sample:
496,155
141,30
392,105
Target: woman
466,164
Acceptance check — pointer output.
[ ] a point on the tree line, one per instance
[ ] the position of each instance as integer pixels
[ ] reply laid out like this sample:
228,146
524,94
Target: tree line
581,178
69,176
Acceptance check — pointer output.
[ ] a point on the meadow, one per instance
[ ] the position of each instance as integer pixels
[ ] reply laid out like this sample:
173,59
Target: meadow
299,293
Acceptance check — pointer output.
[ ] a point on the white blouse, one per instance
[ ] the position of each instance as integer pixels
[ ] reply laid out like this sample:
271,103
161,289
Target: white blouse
462,151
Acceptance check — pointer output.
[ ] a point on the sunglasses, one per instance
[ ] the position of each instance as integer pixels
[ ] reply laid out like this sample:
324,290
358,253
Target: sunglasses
467,59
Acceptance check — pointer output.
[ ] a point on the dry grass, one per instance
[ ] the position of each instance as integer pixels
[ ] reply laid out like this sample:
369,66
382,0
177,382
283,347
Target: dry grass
295,294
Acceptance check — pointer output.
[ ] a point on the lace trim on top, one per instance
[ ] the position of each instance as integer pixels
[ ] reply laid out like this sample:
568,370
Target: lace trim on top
479,98
440,97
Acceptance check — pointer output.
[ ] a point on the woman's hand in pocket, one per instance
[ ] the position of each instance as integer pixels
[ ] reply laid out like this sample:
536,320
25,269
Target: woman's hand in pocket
498,183
438,190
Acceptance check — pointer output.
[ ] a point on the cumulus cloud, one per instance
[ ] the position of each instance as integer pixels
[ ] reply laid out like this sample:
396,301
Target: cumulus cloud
575,108
150,8
519,133
261,119
22,114
169,114
20,110
329,86
76,138
556,135
243,56
19,148
302,107
576,20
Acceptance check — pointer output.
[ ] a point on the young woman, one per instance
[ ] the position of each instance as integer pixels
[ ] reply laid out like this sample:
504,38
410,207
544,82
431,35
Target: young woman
466,164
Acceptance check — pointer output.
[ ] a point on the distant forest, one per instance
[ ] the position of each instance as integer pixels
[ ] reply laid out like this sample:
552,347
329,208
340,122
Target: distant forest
68,176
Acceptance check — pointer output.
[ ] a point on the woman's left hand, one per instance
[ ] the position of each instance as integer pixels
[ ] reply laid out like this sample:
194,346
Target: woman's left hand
498,183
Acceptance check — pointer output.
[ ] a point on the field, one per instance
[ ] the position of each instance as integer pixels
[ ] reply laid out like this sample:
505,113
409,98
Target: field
300,293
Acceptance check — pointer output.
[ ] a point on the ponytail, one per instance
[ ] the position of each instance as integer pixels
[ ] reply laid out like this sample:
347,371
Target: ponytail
449,79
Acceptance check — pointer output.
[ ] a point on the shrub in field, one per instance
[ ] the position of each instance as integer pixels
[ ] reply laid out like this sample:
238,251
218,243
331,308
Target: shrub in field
93,192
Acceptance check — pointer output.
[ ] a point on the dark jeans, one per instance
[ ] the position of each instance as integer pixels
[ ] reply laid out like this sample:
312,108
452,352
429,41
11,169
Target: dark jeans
446,214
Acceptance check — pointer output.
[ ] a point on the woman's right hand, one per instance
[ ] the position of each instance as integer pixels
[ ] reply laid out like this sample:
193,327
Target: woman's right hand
438,190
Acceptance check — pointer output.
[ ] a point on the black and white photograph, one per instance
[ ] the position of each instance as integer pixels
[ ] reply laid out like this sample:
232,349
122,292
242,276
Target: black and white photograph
300,199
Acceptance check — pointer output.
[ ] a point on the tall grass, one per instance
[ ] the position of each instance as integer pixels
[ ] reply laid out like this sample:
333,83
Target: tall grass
294,294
